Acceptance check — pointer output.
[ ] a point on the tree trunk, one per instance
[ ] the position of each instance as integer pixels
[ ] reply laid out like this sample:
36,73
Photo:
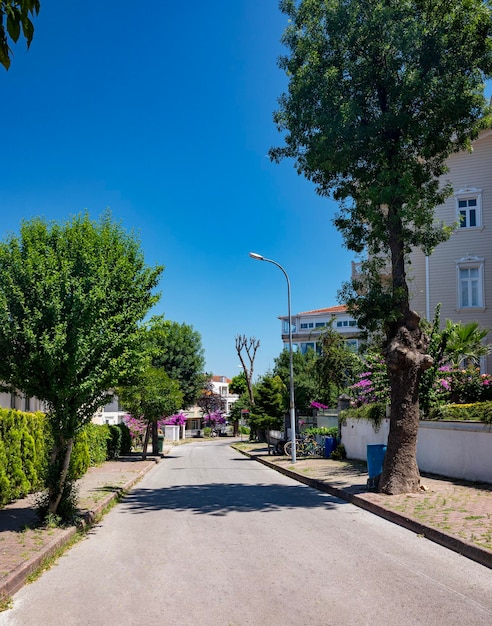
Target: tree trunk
55,489
406,359
155,438
146,441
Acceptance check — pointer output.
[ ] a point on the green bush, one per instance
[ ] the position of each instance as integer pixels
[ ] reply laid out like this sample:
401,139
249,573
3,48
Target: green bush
113,442
323,431
477,412
374,412
24,448
126,439
339,453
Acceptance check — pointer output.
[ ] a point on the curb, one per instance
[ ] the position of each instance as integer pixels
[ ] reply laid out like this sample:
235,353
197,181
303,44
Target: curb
17,578
466,549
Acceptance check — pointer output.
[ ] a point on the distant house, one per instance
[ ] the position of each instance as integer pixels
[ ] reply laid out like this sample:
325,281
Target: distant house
21,402
308,326
458,273
220,385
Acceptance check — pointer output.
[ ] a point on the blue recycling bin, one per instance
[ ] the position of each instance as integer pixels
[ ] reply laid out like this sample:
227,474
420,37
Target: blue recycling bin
330,445
375,458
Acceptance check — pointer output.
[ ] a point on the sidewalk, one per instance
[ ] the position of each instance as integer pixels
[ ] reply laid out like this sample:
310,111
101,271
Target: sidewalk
24,548
454,513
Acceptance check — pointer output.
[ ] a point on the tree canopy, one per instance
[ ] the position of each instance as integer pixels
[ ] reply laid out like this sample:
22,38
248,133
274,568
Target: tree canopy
177,349
379,95
15,17
151,396
72,295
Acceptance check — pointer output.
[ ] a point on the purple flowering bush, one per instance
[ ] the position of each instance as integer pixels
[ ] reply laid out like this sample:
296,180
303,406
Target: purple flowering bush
373,384
178,419
462,386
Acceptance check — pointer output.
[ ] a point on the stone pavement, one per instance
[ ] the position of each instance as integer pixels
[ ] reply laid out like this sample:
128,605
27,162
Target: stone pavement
455,514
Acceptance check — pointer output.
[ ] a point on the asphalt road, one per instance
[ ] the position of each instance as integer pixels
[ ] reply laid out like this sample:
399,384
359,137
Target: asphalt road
210,537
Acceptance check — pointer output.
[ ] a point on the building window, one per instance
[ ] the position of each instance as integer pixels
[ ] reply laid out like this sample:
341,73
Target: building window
353,344
470,283
469,207
320,324
307,346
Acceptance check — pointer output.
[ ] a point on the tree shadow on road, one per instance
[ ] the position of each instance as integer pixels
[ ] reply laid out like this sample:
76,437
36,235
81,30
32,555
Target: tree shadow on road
223,498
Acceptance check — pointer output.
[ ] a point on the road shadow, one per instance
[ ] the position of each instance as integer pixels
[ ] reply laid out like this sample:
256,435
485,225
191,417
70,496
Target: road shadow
223,498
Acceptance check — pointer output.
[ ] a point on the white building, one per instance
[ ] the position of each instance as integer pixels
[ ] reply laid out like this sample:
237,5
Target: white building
458,273
308,326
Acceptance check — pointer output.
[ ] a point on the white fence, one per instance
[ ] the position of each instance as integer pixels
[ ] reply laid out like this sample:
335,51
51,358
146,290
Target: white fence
452,449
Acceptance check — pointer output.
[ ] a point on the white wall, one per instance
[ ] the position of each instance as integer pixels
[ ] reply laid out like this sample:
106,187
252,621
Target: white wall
453,449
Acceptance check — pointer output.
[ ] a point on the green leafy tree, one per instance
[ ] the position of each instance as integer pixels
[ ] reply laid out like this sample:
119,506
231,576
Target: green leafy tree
238,384
177,349
379,95
151,396
71,297
235,412
15,17
270,405
337,365
307,386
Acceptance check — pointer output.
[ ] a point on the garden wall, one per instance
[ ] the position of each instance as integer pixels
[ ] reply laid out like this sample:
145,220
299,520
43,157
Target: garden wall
453,449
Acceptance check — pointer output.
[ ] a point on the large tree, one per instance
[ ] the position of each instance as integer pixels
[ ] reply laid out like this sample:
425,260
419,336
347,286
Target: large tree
152,395
306,381
177,349
15,17
380,93
71,297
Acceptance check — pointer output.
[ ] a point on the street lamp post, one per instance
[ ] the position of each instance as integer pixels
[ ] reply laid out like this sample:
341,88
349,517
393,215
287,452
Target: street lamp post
292,409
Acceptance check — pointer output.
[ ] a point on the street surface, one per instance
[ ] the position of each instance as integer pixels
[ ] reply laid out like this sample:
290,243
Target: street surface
212,538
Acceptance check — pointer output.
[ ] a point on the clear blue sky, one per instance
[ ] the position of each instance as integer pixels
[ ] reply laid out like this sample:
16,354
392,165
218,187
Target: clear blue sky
162,111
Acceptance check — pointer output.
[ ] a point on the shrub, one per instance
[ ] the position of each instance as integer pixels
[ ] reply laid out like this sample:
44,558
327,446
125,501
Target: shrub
126,439
323,431
478,412
23,453
113,442
375,413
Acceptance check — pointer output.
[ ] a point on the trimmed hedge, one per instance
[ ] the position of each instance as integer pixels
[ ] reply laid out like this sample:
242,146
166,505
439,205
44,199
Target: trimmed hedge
24,448
25,445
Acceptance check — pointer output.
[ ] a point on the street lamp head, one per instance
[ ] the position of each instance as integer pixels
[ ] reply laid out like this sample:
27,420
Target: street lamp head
258,257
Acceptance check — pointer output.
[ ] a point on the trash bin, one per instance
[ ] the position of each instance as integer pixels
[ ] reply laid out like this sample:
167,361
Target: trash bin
375,458
160,442
330,445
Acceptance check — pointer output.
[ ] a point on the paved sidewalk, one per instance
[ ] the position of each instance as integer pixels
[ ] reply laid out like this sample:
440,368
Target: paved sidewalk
454,513
24,548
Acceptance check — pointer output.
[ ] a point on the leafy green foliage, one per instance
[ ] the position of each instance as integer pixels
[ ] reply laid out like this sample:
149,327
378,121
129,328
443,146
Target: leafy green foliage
15,16
23,453
71,297
238,384
337,364
477,411
177,349
306,381
126,439
379,95
270,405
374,412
